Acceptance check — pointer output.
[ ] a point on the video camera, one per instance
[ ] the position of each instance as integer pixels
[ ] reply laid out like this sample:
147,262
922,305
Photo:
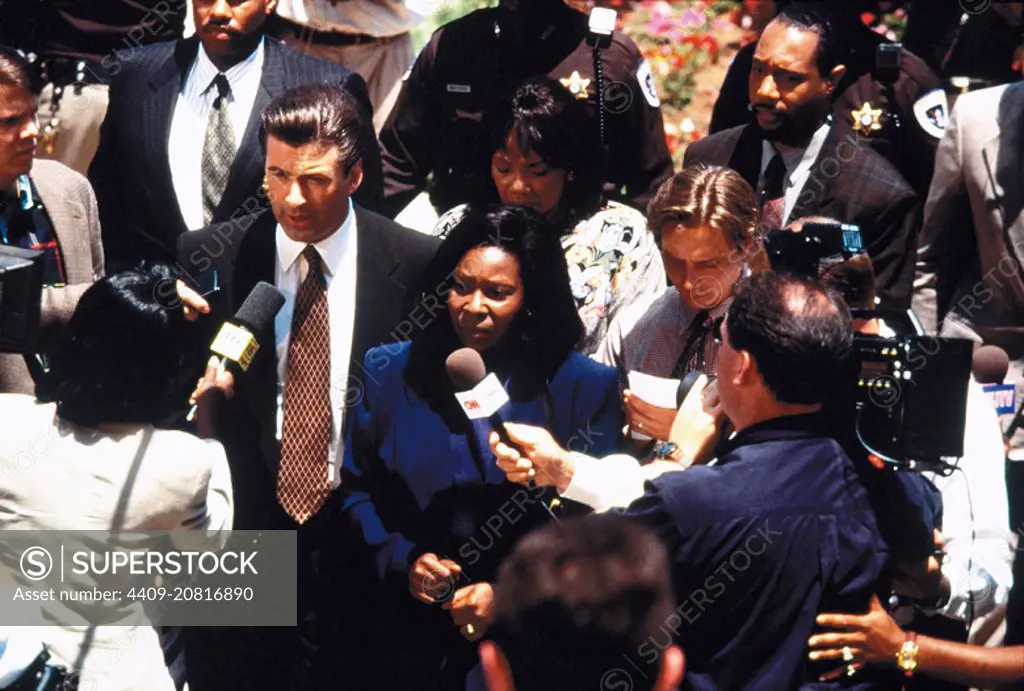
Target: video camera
21,287
911,395
910,390
803,253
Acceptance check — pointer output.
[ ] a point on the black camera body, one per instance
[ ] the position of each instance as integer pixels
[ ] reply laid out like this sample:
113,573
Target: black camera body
21,288
911,398
910,393
802,253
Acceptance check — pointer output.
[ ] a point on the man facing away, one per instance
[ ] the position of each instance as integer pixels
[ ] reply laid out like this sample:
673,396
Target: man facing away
780,526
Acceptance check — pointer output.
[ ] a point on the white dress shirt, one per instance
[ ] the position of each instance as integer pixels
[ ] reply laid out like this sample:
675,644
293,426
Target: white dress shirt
338,254
188,124
976,524
798,167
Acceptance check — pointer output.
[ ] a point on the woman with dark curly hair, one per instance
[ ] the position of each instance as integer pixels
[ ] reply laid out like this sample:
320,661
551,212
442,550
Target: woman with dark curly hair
89,454
422,483
545,153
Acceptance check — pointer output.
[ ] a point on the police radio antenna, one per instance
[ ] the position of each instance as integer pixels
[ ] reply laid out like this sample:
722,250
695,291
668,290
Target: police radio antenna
599,37
888,63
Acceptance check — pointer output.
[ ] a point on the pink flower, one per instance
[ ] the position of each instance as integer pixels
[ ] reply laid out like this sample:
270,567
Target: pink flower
659,26
692,19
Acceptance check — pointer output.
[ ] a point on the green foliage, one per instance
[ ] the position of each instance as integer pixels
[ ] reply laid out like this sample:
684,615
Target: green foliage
446,11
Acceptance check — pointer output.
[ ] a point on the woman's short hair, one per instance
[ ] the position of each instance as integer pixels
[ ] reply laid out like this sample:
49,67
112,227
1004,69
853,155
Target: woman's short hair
124,356
317,114
710,196
558,127
547,327
16,71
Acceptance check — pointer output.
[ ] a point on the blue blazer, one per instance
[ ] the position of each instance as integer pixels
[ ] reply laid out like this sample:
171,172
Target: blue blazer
415,486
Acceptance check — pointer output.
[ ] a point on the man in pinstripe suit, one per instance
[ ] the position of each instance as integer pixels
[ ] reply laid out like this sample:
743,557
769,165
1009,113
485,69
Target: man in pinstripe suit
152,173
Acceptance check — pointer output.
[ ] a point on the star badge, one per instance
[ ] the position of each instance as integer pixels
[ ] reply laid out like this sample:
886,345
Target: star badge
576,84
866,119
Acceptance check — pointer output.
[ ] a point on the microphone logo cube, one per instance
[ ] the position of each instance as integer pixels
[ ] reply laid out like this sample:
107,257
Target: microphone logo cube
1002,397
236,344
484,399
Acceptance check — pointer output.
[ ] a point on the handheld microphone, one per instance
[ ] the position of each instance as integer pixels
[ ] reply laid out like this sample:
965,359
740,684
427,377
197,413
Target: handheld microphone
686,384
236,342
989,364
479,393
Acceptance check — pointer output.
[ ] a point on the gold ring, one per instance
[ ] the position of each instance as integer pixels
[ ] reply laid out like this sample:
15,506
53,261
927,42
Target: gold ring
851,670
639,425
847,654
470,630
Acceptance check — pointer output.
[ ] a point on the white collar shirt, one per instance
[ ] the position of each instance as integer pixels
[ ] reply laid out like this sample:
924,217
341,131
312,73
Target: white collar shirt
798,167
338,252
190,117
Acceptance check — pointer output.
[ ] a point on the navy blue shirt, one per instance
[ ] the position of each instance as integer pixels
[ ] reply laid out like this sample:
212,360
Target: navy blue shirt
780,529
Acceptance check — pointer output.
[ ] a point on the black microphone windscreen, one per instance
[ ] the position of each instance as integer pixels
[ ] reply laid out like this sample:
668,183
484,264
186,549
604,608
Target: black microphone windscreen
260,307
465,368
685,384
989,364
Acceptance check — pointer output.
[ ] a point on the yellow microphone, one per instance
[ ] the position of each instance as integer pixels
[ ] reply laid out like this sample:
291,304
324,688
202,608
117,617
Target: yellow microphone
237,340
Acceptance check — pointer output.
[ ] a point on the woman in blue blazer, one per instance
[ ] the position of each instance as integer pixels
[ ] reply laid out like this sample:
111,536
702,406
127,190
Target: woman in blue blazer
421,481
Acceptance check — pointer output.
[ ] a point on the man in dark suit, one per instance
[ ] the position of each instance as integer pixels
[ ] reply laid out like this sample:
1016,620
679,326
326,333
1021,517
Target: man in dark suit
877,103
179,148
802,162
348,276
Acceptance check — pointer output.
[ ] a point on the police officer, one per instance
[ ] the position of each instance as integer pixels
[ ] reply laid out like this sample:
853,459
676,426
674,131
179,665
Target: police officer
891,99
74,44
473,64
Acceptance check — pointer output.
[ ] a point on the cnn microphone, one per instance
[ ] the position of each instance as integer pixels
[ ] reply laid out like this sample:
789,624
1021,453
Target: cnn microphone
466,371
236,342
480,395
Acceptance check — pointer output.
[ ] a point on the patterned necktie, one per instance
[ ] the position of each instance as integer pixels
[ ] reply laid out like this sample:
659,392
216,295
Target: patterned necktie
692,357
773,199
302,481
218,149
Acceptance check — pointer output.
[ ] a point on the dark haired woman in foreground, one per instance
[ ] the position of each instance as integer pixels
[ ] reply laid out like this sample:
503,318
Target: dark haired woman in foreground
423,484
545,153
88,454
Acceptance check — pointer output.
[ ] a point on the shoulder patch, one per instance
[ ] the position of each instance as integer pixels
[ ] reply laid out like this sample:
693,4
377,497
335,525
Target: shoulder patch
931,112
647,86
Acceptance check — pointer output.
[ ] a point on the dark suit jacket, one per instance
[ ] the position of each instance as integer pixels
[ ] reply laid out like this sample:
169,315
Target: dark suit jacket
131,172
848,182
788,498
390,265
911,150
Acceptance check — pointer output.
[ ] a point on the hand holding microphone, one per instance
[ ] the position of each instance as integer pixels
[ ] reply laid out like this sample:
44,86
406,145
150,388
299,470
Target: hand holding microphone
533,456
214,381
481,395
236,344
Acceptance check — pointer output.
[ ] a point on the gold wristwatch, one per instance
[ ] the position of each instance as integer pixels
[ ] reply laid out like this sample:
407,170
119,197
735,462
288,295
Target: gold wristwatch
906,656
